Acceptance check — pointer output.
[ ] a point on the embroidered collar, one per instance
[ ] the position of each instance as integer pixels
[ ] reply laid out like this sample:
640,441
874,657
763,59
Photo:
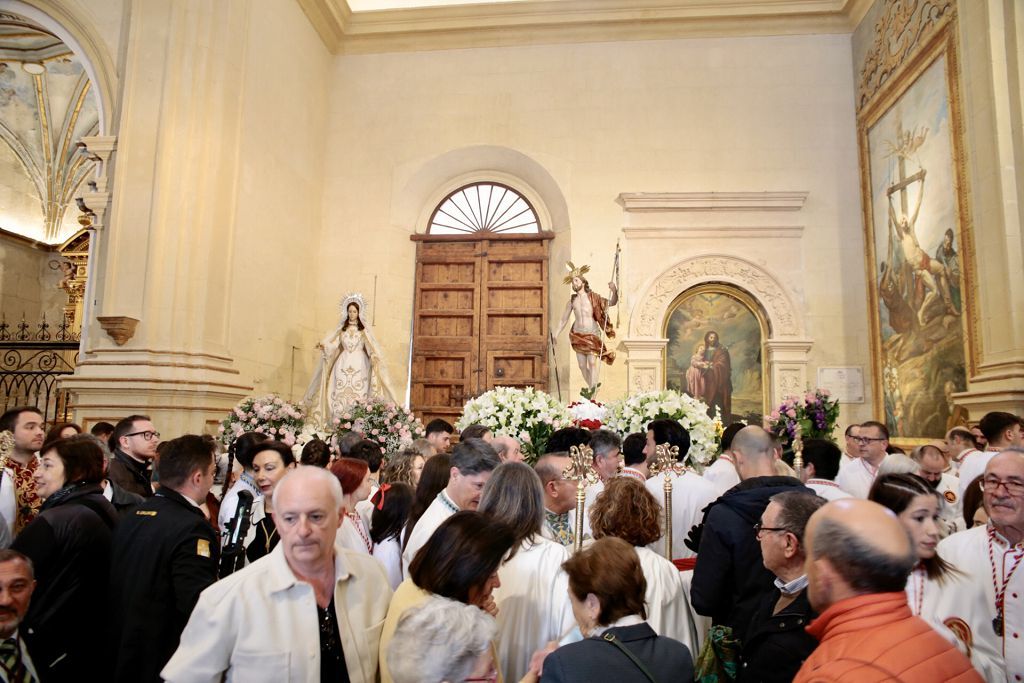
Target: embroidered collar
447,502
249,481
823,482
728,458
793,587
636,474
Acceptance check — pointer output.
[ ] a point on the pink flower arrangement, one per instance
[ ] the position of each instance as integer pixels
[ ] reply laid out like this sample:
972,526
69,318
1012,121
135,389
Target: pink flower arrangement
268,414
815,413
392,426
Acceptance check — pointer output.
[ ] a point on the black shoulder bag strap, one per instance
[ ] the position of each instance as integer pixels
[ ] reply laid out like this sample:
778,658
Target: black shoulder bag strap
610,637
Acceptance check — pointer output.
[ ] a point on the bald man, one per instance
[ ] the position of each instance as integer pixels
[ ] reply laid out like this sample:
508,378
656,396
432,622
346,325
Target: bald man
858,558
508,448
992,608
730,580
308,611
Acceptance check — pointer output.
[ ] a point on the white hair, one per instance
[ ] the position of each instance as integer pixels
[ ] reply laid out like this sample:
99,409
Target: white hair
439,640
306,472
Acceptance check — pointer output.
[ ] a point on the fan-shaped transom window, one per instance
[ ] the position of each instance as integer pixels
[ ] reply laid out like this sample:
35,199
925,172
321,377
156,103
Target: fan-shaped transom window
483,208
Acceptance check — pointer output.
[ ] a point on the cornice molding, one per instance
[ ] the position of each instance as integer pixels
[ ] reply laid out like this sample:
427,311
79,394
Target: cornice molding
541,22
711,201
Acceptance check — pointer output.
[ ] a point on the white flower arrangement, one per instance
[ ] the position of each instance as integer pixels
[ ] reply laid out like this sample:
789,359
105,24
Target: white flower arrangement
392,426
526,414
633,414
271,415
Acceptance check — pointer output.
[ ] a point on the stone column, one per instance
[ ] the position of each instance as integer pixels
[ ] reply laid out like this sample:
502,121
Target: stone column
787,361
991,77
158,340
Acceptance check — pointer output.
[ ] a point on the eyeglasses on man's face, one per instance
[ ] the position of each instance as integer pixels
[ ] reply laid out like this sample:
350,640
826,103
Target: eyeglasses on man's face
868,439
758,528
1014,487
148,436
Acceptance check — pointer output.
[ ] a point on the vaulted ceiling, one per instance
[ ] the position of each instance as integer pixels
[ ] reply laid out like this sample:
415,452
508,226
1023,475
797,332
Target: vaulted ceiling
46,105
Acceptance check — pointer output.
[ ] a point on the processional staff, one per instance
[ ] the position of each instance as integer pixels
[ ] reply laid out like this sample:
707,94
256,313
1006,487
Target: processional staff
666,462
798,451
580,470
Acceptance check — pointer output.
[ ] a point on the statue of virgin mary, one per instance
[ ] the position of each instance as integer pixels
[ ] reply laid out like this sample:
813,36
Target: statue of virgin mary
351,364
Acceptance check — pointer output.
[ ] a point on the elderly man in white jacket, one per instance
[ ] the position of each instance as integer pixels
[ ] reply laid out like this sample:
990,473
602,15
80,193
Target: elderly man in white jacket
304,612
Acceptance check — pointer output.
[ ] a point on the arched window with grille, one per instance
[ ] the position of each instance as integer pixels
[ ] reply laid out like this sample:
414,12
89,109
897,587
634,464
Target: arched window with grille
485,207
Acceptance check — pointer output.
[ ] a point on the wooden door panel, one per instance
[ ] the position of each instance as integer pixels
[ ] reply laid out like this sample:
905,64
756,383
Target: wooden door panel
514,368
480,321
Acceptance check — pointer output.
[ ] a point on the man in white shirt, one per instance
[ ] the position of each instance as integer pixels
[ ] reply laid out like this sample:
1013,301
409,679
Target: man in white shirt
473,460
1001,430
821,465
722,472
933,462
857,477
993,614
305,612
959,444
691,493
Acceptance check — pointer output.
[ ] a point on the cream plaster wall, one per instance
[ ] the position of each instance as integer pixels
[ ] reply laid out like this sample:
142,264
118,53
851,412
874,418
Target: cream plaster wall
749,114
278,216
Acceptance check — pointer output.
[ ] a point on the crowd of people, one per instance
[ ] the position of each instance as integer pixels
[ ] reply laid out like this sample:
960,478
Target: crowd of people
122,558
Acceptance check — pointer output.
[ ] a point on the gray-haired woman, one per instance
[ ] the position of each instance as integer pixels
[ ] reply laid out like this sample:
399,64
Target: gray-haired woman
442,641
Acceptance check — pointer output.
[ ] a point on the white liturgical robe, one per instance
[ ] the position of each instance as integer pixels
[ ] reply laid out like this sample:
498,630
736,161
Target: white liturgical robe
533,604
971,467
722,473
929,600
857,477
952,511
973,604
829,490
441,509
691,493
668,604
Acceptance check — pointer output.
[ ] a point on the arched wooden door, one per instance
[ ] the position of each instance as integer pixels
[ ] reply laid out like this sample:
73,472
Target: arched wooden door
480,312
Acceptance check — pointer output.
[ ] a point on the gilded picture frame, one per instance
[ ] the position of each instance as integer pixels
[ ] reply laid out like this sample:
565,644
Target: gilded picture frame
741,328
919,247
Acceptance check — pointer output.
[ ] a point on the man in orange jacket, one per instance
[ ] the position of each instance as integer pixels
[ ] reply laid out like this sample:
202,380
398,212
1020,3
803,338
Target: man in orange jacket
857,564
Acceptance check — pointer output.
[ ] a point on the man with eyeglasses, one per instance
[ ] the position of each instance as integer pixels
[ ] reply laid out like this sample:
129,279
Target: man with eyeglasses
134,443
777,642
857,477
1001,430
991,555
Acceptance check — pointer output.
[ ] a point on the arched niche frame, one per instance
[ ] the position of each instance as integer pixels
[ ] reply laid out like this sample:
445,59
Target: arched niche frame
786,348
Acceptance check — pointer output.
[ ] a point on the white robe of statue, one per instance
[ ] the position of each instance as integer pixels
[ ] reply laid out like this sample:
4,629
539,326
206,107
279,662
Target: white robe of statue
351,365
533,604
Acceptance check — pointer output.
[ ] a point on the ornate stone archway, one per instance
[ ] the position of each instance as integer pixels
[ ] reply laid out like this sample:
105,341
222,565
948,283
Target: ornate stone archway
786,348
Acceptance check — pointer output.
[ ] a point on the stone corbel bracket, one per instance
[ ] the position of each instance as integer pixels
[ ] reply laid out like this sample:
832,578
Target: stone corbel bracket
120,328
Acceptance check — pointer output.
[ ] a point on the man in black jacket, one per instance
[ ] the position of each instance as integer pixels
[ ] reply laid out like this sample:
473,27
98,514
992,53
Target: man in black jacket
730,579
776,642
133,443
165,555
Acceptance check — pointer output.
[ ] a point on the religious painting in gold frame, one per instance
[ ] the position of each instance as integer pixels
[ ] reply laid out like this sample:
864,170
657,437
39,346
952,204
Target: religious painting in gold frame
920,256
715,350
